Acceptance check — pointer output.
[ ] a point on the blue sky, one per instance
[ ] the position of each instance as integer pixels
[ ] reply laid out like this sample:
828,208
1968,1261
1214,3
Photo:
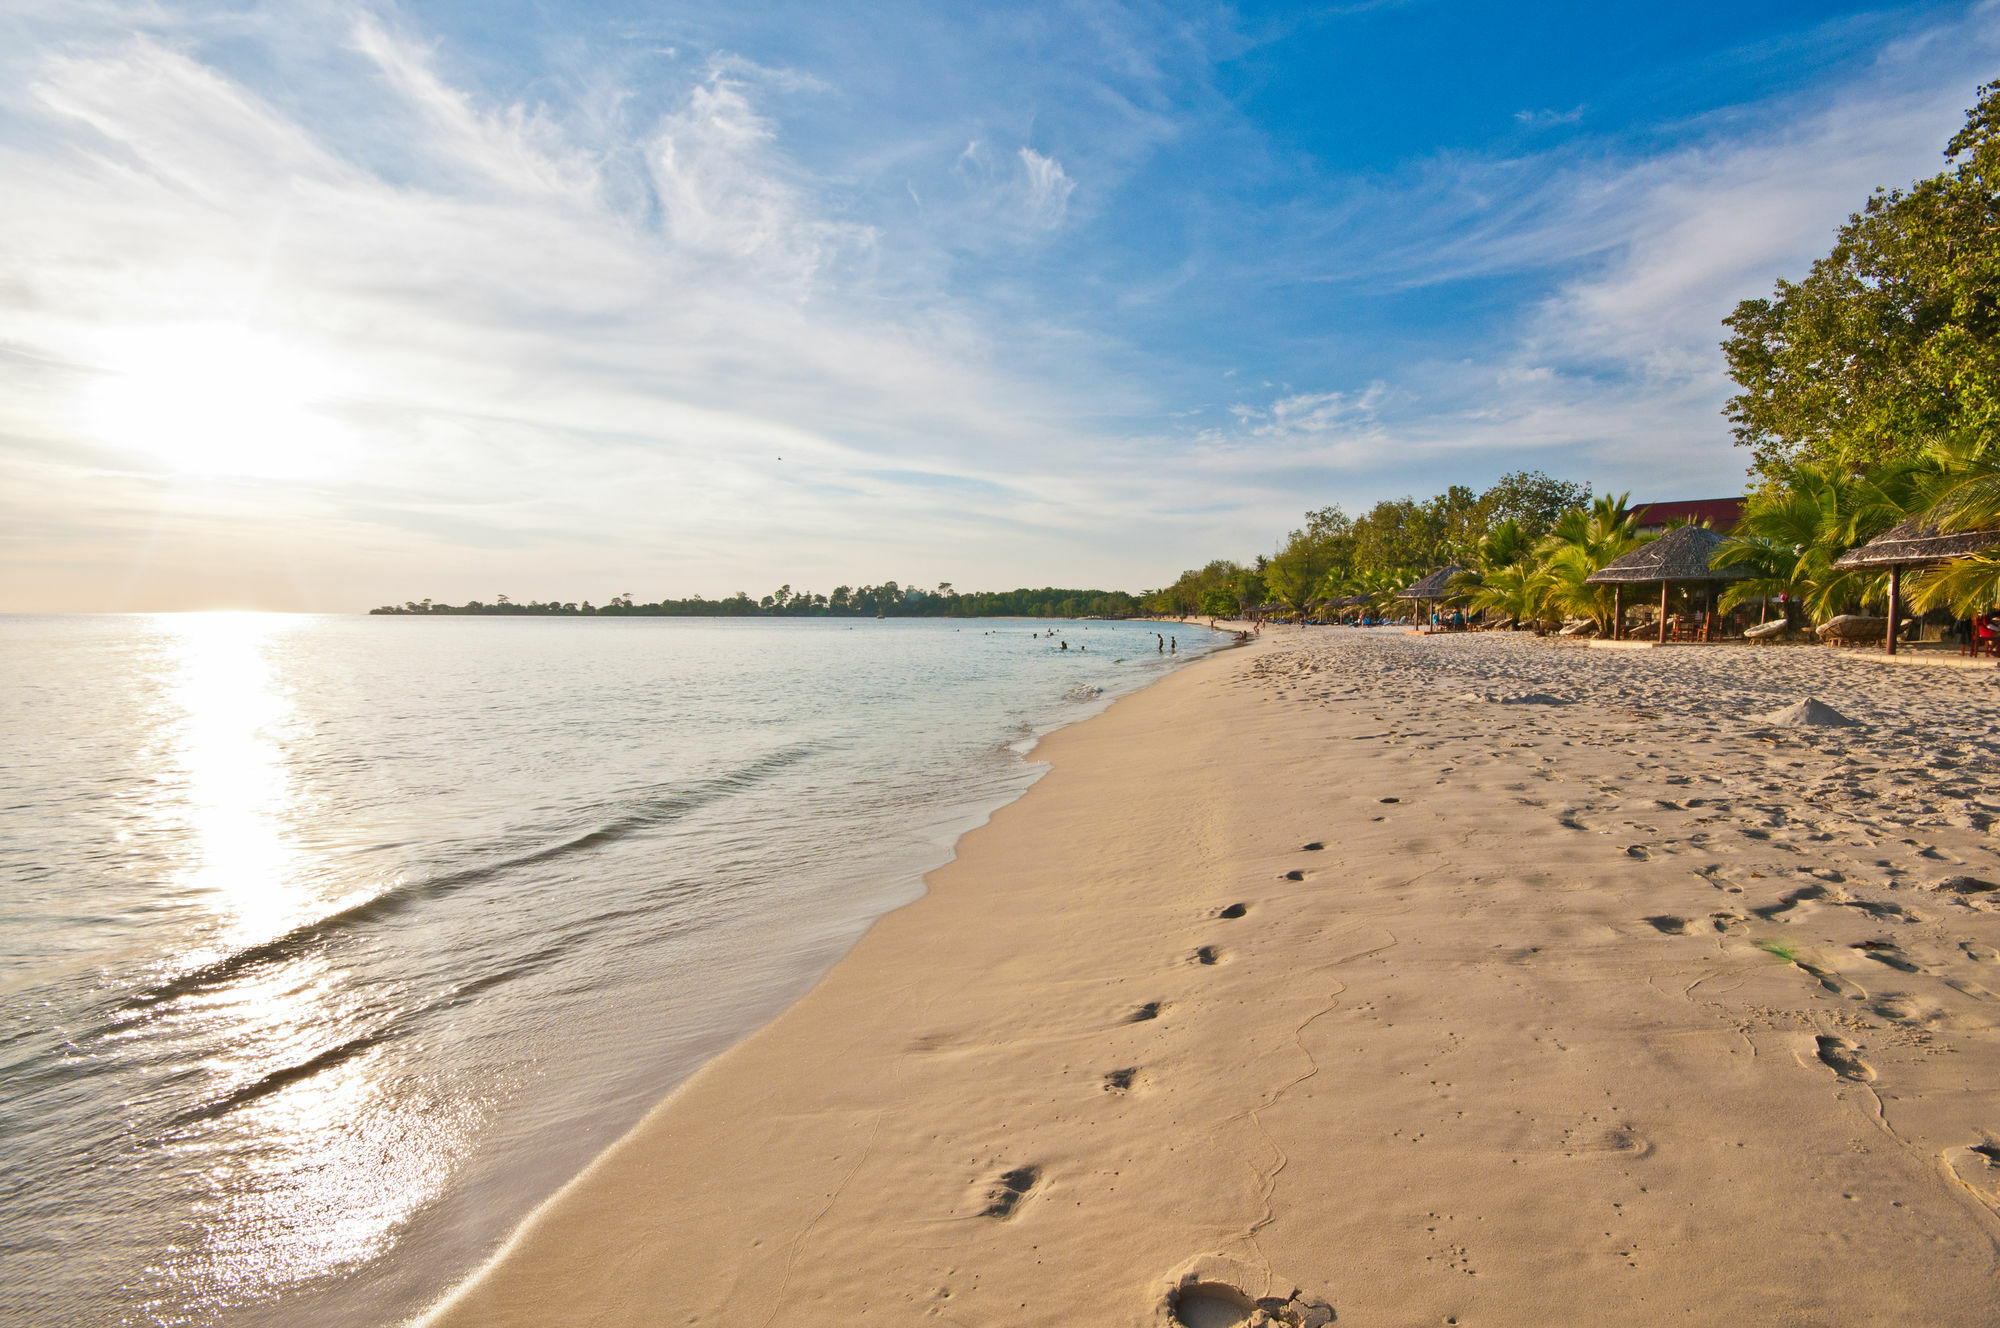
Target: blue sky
324,304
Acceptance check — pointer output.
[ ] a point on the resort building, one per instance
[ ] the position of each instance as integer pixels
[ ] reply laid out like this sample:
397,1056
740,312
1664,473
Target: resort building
1721,514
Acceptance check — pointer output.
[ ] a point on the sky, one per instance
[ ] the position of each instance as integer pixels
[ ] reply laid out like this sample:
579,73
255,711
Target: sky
328,304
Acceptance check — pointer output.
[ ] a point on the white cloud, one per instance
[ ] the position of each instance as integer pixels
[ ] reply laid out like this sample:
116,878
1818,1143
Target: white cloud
1546,118
1048,189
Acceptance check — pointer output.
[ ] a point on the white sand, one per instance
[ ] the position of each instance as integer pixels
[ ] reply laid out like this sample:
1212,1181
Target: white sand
1633,1009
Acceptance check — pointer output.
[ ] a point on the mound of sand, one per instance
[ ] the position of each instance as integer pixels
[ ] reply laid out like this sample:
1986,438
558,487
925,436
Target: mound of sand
1809,713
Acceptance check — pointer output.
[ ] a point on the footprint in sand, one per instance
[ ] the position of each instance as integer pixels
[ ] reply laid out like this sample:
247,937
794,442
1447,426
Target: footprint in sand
1977,1168
1313,847
1985,954
1120,1081
1903,1007
1639,851
1791,902
1004,1195
1668,923
1294,875
1208,954
1234,911
1841,1056
1150,1010
1216,1304
1885,952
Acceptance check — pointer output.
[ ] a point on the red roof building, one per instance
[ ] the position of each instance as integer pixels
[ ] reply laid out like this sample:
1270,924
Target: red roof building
1721,514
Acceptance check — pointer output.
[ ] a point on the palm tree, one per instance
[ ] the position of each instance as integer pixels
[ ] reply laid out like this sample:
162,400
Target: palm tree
1517,590
1502,574
1579,544
1791,533
1964,495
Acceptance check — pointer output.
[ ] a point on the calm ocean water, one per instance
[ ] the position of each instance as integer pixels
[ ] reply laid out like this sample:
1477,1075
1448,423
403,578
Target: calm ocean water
332,945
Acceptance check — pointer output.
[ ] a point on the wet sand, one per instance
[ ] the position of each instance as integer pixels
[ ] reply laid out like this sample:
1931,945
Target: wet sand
1405,980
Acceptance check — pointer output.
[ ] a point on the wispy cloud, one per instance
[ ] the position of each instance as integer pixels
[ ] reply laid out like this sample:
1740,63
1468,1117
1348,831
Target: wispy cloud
1548,119
1048,189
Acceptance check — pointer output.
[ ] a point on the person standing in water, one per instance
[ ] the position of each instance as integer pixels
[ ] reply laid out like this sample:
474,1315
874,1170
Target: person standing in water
1174,646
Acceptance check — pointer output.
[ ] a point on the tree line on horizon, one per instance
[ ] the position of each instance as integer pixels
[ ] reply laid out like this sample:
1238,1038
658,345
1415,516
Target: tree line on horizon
1869,394
888,600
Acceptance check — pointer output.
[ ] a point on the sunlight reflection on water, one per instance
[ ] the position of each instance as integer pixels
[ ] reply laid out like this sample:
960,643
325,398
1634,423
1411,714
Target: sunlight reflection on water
233,789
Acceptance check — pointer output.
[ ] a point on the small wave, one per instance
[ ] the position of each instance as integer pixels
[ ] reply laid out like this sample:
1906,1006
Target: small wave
1083,692
642,814
266,1084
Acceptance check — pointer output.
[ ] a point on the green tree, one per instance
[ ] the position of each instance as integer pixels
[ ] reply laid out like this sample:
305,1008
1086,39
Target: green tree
1894,336
1531,500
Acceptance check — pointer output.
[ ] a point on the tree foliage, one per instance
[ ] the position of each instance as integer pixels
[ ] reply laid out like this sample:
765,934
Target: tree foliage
1893,338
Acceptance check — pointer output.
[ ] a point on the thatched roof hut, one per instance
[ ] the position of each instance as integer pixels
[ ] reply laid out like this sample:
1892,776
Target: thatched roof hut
1435,586
1682,554
1916,542
1912,543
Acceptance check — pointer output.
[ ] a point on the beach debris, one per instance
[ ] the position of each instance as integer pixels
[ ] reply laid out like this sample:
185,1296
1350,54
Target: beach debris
1212,1291
1809,713
1516,698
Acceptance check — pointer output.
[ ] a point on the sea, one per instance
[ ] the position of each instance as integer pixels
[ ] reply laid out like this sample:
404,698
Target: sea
333,945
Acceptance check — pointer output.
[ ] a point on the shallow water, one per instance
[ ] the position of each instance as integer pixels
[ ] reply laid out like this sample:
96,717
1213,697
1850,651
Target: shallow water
331,945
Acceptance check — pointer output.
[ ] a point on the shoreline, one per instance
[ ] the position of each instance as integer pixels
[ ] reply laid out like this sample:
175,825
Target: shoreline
1137,1034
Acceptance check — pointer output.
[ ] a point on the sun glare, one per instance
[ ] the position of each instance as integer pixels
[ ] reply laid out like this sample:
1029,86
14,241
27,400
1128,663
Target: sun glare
217,400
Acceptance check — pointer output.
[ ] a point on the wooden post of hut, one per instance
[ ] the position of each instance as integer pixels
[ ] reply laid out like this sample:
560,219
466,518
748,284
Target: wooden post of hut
1663,612
1895,601
1618,613
1708,615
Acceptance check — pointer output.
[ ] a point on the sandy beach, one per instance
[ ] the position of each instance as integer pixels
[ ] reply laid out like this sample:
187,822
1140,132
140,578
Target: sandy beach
1381,979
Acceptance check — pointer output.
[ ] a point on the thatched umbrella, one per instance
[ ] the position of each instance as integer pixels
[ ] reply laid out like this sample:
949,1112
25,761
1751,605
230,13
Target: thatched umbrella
1433,588
1913,543
1682,554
